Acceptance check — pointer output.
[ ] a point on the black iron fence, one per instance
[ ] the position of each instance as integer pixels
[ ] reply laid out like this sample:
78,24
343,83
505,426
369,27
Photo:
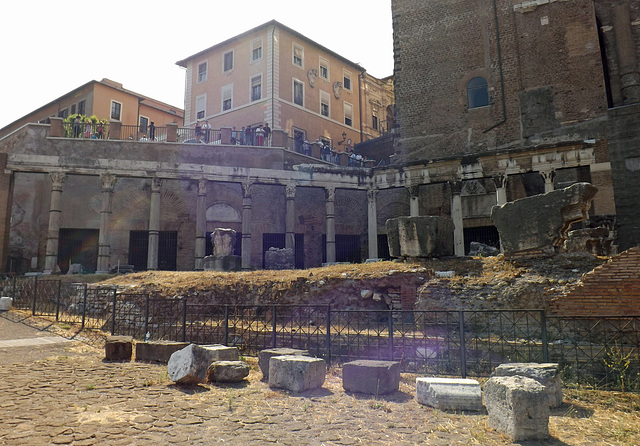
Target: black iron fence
603,352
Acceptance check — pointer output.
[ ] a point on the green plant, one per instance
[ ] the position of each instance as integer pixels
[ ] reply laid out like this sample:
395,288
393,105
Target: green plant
618,363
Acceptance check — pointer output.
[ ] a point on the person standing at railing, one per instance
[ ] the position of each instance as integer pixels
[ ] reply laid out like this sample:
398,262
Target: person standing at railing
76,127
206,128
198,130
242,136
101,131
267,133
259,136
152,131
87,129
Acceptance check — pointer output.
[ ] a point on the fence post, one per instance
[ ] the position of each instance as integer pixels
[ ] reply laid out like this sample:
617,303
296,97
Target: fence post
58,301
146,317
14,288
463,350
84,305
226,325
35,296
390,335
184,320
274,327
328,340
545,340
113,314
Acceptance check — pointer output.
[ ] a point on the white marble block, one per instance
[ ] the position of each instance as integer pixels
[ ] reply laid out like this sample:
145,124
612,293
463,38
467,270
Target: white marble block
449,393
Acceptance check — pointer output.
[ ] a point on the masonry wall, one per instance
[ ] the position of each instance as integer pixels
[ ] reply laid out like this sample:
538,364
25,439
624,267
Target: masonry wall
612,289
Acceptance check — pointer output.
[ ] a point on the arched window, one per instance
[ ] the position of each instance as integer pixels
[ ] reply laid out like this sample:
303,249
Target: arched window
477,92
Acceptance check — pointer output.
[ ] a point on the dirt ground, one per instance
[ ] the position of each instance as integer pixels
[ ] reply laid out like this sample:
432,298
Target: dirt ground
65,393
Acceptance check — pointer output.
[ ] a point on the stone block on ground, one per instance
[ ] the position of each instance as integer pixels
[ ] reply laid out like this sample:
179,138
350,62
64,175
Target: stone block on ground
546,374
427,236
265,355
227,371
279,259
296,373
118,348
548,218
370,376
449,393
6,303
518,407
190,365
157,351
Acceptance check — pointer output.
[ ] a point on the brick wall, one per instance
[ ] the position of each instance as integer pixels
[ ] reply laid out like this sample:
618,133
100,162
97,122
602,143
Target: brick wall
612,289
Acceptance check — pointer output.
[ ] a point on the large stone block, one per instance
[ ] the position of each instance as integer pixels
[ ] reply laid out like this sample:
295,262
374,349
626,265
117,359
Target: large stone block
189,365
546,374
157,351
279,259
539,224
449,393
428,236
5,303
372,377
118,348
296,373
518,407
227,371
265,355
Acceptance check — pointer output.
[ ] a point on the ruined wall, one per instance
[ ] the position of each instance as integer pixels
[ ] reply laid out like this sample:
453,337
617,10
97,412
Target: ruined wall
610,289
546,67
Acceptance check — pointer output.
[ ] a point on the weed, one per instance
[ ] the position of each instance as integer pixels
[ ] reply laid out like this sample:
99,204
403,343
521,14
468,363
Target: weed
305,406
618,363
90,387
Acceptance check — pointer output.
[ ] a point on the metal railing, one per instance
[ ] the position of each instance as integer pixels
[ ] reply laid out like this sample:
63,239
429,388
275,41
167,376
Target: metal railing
603,352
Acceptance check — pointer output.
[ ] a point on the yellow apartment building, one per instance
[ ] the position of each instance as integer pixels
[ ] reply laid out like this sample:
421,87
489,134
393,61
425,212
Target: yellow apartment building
273,74
107,100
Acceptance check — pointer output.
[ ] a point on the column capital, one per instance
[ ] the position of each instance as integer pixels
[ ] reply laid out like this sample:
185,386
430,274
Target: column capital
500,180
202,186
246,189
414,190
57,178
456,187
372,194
108,181
548,175
330,193
290,190
156,184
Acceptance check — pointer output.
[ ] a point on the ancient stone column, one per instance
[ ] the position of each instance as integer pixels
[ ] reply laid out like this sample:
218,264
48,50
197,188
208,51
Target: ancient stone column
51,253
154,224
290,217
104,238
501,188
372,223
246,225
330,195
625,44
548,177
414,203
201,225
456,216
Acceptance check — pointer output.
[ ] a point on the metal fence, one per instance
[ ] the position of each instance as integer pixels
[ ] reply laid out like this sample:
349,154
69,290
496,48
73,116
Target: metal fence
603,352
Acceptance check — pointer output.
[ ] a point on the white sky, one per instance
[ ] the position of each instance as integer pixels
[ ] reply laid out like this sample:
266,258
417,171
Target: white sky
49,48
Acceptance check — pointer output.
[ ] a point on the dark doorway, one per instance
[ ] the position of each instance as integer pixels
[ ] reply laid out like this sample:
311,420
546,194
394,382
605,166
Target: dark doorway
167,250
348,248
482,234
78,246
271,240
383,247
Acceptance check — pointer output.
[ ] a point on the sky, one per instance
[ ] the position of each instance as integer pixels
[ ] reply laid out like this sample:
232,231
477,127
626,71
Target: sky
49,48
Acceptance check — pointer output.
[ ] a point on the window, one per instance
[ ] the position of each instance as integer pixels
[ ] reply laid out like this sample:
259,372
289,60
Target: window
63,113
256,50
477,92
116,110
298,92
374,122
256,88
201,106
202,72
81,107
324,69
325,100
227,97
227,64
348,114
73,109
144,124
298,55
346,81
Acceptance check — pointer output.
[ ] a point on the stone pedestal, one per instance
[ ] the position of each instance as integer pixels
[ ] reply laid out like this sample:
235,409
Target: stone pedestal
449,393
157,351
518,407
265,355
279,259
296,373
118,348
222,263
427,236
5,303
372,377
546,374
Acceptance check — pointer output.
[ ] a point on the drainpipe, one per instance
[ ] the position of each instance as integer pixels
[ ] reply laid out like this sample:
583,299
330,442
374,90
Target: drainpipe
273,38
360,76
504,106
